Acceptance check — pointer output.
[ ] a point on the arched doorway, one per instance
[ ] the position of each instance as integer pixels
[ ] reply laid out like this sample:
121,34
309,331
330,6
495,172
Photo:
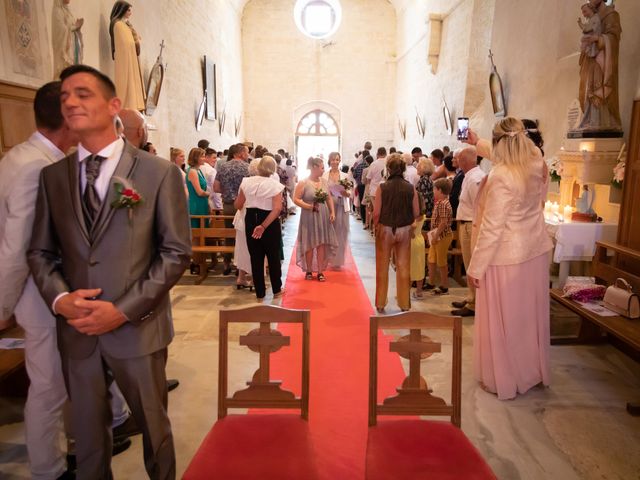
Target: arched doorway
317,135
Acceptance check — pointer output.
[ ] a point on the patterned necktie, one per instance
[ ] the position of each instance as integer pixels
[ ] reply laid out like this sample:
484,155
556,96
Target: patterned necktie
90,197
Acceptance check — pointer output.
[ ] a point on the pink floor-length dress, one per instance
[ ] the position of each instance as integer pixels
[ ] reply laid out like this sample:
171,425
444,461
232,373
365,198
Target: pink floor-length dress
511,334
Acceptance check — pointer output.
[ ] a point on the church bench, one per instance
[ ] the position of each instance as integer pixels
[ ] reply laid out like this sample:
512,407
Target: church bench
210,239
610,261
13,379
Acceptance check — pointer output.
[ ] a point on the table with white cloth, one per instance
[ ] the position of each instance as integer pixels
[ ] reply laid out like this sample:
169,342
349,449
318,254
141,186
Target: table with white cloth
576,241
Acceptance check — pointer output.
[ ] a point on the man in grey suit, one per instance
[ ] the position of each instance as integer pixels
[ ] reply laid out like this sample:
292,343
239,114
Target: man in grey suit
111,237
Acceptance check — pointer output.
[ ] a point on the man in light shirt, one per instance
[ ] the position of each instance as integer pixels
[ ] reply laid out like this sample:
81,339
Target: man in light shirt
376,171
210,172
473,177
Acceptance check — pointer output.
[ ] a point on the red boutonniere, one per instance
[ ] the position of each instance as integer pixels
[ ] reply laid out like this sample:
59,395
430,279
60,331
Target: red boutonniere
126,197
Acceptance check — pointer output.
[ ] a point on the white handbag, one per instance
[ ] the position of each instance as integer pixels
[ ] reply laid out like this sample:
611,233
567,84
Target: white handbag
620,298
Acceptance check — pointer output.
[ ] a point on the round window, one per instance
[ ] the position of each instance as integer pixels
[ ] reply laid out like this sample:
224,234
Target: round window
317,18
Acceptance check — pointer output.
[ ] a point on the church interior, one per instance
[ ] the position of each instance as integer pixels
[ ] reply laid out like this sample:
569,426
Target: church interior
396,73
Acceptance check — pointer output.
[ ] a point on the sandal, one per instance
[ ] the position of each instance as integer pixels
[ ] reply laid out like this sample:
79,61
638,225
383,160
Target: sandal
308,276
417,296
278,294
321,277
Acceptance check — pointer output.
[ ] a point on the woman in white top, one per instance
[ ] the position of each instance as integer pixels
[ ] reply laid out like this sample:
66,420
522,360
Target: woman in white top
262,197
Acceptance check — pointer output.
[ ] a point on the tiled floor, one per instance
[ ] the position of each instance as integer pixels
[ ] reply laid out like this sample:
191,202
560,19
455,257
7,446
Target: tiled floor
577,428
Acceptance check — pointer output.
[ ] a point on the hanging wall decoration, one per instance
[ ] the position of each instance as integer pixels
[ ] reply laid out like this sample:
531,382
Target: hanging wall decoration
236,125
420,124
497,93
154,84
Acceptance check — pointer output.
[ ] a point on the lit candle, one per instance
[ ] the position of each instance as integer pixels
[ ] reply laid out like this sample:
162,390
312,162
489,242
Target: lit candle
555,208
547,206
567,213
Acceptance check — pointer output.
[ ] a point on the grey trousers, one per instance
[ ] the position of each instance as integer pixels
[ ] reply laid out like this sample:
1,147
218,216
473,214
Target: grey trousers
142,381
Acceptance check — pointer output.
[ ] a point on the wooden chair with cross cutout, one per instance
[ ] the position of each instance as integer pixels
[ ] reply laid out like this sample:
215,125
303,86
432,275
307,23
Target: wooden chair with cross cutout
414,448
259,445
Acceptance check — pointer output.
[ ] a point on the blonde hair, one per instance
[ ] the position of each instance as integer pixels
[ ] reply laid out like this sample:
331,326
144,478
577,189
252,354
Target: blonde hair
314,162
267,166
175,153
425,166
513,150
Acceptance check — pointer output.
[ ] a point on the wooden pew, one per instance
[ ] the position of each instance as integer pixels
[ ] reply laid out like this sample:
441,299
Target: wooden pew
620,331
13,378
210,237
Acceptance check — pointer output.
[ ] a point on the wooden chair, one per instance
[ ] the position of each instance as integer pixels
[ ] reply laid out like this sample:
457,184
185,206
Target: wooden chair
412,449
262,391
240,447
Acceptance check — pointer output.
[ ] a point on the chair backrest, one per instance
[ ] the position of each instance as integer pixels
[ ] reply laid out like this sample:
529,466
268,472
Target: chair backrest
262,392
414,396
612,261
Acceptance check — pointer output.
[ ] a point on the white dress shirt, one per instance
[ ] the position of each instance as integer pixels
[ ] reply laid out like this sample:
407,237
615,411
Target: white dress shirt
469,192
375,174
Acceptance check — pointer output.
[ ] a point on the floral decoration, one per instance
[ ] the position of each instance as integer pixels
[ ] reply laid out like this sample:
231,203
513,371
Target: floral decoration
346,183
618,174
319,197
554,164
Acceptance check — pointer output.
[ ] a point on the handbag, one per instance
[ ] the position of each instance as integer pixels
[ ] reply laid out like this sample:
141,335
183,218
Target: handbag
620,298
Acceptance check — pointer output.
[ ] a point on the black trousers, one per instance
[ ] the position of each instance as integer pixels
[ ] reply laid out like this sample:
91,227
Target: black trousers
268,245
363,207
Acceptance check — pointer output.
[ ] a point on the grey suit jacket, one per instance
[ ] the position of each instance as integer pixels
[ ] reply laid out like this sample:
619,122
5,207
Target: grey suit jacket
19,172
135,259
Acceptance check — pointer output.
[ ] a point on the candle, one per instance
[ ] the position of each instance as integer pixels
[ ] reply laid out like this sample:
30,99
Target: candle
547,206
555,208
567,212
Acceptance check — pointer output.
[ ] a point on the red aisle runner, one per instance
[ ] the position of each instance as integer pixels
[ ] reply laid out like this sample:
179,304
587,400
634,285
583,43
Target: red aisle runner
339,365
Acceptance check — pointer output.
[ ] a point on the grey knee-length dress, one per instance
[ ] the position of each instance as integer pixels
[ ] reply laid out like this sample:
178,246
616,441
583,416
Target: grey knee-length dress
315,230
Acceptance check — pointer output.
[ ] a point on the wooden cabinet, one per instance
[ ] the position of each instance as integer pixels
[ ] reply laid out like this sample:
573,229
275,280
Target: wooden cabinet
17,121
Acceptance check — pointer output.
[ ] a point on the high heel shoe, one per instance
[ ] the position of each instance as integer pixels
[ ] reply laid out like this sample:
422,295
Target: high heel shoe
246,284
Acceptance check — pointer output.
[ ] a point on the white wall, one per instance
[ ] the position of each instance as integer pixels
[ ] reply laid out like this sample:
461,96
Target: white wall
284,69
190,30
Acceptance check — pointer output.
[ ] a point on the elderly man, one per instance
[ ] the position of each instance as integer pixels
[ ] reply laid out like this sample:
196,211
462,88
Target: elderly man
473,177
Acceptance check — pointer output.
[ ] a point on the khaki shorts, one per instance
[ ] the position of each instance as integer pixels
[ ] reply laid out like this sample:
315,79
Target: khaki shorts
438,251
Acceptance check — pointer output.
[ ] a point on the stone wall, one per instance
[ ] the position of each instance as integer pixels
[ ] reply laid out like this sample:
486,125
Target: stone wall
190,30
353,71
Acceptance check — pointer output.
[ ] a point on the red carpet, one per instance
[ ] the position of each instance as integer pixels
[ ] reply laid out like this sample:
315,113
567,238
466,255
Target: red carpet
339,366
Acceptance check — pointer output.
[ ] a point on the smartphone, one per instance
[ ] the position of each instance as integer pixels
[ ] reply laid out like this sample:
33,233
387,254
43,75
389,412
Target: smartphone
463,128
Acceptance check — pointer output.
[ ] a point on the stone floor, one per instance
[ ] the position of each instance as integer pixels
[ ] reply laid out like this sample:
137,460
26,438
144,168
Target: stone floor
576,429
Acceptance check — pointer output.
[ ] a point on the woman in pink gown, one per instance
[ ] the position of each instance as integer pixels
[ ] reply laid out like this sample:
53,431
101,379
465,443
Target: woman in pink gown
510,265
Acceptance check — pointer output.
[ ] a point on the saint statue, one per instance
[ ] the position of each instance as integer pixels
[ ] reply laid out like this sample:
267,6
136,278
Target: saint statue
125,48
66,37
599,69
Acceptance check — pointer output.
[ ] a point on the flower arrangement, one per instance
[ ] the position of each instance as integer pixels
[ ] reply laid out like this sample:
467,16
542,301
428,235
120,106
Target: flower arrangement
319,197
346,183
618,174
554,164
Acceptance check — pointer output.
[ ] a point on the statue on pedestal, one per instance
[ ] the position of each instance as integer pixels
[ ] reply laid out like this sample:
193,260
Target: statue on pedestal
125,48
598,92
66,37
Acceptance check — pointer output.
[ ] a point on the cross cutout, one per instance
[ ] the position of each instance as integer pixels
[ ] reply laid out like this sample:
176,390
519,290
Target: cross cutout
413,350
265,341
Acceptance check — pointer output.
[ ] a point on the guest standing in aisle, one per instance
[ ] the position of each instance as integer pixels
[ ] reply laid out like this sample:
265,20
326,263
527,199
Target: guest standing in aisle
340,196
317,242
395,208
261,196
510,266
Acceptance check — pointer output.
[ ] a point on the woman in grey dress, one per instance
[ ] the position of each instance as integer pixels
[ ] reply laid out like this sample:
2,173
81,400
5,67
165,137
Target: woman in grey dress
340,197
317,241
